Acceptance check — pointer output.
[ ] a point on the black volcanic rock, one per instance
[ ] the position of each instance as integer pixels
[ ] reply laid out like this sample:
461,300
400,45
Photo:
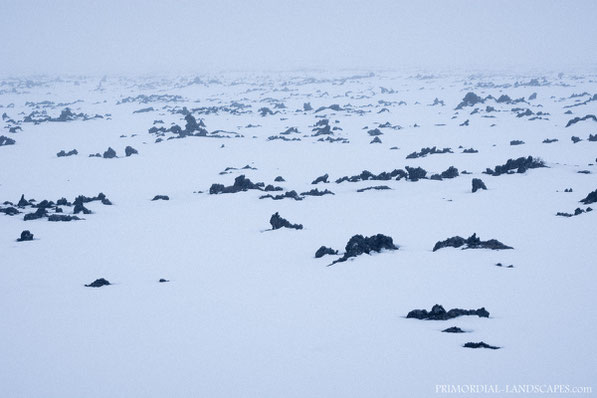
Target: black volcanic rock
453,329
580,119
278,222
480,344
472,242
376,188
41,212
438,313
241,184
317,192
62,153
415,173
516,142
4,140
99,283
279,179
575,139
323,178
470,99
591,198
478,184
23,202
290,195
110,153
428,151
323,250
521,165
62,218
25,236
129,150
359,244
161,197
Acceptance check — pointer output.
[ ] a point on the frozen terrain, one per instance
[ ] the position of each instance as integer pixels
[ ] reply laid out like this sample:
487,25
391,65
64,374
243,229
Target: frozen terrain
250,312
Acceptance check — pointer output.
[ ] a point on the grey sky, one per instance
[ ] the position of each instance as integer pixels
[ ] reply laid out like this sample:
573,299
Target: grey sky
119,36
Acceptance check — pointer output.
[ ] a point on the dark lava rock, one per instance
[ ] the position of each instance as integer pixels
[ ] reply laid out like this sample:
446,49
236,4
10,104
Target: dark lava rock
241,183
23,202
470,99
323,178
80,208
161,197
317,192
323,250
516,142
592,138
550,140
62,217
162,280
428,151
481,345
415,173
376,140
580,119
438,313
129,150
521,165
478,184
271,188
110,153
62,153
591,198
41,212
453,329
9,211
278,222
359,244
279,179
470,150
575,139
377,188
4,140
99,283
450,172
472,242
25,236
289,194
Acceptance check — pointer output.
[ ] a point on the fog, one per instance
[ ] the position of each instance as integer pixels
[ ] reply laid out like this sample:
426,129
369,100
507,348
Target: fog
205,36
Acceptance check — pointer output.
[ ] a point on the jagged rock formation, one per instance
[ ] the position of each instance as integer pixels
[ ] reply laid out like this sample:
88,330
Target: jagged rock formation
472,242
317,192
62,153
278,222
241,184
110,153
129,150
359,244
521,165
25,236
428,151
4,140
290,194
323,250
323,178
161,197
478,184
438,313
581,119
591,198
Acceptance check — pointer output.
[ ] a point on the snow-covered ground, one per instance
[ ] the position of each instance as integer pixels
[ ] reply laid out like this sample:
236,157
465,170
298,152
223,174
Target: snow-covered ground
250,312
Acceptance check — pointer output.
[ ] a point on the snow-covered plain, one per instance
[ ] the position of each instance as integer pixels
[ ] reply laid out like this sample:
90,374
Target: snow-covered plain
249,312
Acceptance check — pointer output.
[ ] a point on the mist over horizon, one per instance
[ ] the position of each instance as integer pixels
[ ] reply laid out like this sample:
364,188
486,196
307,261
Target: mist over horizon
110,37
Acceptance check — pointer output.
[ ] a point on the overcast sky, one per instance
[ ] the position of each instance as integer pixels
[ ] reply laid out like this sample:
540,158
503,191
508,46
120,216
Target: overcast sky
150,36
